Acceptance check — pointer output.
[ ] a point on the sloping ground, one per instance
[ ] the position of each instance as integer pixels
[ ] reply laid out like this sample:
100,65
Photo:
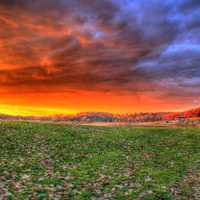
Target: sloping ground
42,161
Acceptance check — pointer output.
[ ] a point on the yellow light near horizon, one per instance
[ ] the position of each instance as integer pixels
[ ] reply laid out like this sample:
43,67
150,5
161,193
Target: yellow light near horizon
32,111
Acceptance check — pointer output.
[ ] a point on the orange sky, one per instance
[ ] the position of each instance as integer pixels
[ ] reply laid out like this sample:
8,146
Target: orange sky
63,57
51,103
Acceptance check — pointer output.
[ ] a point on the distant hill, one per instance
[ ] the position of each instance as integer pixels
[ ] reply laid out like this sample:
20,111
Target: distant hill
192,113
108,117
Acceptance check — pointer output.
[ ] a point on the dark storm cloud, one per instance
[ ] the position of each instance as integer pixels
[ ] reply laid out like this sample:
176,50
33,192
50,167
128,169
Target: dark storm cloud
190,5
11,3
140,45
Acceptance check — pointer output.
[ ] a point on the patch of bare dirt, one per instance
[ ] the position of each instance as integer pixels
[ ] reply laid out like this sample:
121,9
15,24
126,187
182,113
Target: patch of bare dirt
189,188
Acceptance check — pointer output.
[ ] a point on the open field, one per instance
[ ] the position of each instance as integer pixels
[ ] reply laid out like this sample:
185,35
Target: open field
42,161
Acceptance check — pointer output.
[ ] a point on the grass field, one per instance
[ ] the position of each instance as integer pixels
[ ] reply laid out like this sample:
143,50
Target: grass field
41,161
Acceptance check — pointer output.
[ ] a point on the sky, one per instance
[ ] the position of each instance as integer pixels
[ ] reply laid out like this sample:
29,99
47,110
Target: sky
119,56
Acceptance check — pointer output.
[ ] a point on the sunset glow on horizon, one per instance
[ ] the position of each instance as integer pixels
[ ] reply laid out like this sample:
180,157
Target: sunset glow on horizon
117,56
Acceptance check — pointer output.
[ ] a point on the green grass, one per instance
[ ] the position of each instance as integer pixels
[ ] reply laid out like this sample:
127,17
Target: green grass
41,161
